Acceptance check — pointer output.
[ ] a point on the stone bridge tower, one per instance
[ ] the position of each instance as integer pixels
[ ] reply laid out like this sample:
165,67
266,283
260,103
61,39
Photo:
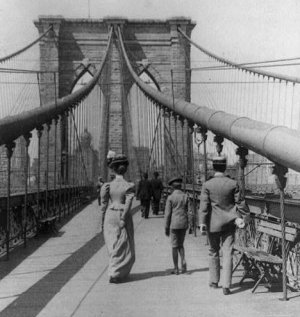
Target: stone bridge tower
157,42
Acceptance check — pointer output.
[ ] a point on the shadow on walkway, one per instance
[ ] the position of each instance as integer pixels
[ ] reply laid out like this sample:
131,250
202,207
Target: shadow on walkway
20,253
37,297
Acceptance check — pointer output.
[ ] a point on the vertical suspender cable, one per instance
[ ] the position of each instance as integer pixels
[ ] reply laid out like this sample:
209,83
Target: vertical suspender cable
24,222
47,172
55,165
39,133
170,143
9,152
138,124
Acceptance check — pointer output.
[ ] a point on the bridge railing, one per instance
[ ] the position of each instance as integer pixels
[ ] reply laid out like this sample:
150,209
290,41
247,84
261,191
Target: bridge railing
58,182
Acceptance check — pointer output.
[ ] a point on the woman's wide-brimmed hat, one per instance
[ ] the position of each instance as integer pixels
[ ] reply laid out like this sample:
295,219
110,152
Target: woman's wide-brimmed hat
118,160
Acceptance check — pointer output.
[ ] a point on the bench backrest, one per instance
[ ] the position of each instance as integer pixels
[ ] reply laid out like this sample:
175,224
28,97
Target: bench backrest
274,230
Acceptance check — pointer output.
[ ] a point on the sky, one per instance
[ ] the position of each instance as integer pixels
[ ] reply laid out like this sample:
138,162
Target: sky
239,30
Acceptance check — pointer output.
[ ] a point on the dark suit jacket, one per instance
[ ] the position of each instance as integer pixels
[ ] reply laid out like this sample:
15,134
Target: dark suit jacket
144,190
157,187
219,196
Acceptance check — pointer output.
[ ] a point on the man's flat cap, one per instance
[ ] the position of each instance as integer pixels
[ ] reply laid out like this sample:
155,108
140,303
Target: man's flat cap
175,180
221,160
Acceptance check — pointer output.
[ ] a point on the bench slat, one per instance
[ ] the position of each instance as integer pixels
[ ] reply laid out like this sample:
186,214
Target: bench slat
288,236
277,226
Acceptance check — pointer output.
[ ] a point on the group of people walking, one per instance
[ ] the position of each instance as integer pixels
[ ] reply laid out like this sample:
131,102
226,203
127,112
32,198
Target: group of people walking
147,191
218,218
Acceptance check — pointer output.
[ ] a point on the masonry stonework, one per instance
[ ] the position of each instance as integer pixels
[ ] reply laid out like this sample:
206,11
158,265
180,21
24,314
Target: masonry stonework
156,41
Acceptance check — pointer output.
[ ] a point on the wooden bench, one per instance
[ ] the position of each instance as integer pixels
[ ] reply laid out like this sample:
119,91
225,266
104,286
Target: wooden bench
47,224
263,262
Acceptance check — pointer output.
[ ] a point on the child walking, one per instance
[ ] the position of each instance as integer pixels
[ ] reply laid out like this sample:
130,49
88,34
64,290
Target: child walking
176,222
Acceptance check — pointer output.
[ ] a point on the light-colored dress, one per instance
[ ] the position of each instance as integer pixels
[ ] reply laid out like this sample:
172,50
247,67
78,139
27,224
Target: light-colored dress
116,201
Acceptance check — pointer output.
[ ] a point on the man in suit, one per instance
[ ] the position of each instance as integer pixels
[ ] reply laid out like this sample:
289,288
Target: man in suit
218,217
144,193
157,188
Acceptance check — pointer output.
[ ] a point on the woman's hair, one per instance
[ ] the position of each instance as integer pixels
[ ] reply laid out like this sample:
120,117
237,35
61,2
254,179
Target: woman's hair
119,164
120,169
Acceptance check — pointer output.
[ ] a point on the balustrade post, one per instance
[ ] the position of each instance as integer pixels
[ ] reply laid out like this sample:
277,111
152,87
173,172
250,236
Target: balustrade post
183,152
9,152
165,161
203,132
191,127
218,139
27,138
161,120
158,118
242,153
280,179
176,144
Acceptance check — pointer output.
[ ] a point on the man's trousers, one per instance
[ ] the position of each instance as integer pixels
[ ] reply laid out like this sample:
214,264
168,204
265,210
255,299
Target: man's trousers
216,240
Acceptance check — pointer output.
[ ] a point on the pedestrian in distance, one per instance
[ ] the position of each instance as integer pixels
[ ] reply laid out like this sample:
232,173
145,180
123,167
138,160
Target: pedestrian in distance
157,188
98,186
116,201
144,194
176,222
218,217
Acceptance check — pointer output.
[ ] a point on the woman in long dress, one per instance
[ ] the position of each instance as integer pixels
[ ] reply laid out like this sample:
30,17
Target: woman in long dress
116,201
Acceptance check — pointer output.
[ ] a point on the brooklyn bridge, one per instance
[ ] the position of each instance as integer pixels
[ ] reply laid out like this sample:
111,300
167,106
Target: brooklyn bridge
129,86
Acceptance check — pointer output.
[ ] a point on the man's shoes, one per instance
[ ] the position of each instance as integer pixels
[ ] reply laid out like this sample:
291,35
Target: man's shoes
213,285
183,269
114,280
175,271
226,291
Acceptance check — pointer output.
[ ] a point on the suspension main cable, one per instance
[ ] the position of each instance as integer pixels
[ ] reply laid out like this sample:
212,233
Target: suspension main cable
3,59
229,63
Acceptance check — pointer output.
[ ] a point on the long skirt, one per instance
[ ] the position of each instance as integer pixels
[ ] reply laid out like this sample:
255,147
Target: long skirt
119,243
